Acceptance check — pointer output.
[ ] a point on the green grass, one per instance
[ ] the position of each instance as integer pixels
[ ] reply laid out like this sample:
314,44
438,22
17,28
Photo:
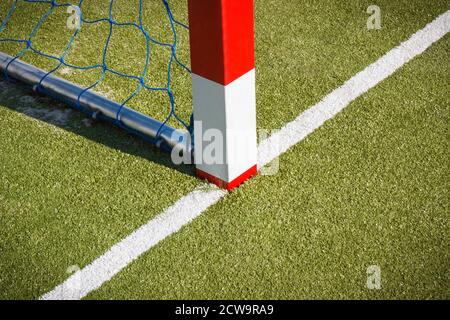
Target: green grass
370,187
307,49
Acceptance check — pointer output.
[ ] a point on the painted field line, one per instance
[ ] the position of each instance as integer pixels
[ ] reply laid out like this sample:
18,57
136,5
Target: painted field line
340,98
123,253
192,205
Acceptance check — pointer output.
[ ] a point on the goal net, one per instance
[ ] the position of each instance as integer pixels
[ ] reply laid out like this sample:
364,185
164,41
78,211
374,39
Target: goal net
133,52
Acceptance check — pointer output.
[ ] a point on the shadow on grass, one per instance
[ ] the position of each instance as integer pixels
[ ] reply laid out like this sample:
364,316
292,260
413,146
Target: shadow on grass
22,99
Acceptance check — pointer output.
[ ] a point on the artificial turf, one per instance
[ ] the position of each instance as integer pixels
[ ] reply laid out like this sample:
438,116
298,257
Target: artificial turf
370,187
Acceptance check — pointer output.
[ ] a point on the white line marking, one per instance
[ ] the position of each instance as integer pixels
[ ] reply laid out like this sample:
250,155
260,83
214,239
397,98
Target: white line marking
192,205
123,253
340,98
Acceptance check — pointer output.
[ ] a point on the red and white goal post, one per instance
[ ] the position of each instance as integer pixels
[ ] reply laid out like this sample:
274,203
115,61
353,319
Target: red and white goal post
223,88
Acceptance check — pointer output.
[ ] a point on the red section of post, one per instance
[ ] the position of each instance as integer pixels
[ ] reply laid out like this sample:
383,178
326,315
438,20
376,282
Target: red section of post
222,39
228,185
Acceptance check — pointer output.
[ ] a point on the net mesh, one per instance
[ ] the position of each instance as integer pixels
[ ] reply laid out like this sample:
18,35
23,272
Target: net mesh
127,50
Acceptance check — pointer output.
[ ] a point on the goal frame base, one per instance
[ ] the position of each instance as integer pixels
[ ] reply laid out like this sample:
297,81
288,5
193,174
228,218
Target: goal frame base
228,185
94,105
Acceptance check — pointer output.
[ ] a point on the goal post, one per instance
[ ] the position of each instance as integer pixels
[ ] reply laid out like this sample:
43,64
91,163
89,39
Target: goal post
223,88
222,135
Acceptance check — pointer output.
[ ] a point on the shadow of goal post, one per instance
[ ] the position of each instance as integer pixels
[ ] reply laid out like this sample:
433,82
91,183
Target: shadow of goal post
223,88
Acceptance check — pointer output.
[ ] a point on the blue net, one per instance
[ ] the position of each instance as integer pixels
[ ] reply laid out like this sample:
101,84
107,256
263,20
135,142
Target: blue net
140,80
